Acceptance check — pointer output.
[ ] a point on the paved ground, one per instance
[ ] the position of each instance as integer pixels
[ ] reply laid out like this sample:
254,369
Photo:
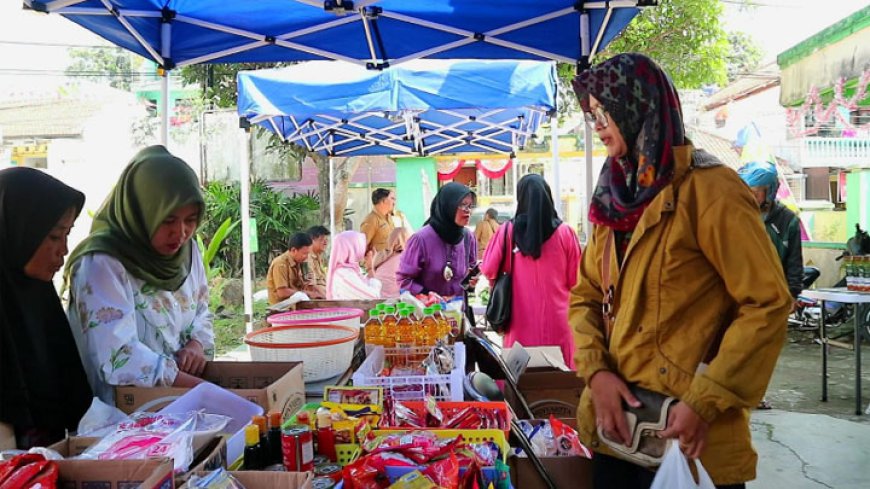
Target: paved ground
804,443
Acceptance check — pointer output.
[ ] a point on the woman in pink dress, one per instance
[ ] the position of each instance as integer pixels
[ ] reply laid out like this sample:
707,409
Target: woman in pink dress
387,262
545,256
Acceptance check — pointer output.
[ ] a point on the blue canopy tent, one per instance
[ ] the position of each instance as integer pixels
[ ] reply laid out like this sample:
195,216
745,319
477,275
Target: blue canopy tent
376,34
420,108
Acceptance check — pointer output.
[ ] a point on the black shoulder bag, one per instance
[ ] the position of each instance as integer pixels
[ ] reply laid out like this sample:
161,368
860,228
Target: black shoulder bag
498,311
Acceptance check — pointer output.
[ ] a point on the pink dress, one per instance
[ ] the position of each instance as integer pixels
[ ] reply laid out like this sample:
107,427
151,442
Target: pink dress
386,273
540,290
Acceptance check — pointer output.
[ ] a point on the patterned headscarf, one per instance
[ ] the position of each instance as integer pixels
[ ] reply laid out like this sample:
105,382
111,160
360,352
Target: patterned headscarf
644,105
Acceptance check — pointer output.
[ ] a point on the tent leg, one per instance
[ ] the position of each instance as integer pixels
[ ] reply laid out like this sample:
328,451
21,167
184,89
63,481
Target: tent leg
164,109
331,197
554,144
245,183
587,180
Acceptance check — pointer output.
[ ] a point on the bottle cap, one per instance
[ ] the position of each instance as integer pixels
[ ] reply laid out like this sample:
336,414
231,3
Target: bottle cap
252,435
428,310
260,421
390,309
275,420
373,312
404,313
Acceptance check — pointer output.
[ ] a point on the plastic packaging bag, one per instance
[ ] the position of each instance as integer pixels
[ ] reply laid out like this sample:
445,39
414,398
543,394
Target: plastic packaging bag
149,435
674,472
100,419
217,479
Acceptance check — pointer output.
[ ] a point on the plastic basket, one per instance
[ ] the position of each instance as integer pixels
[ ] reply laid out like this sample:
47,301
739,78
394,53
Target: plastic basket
444,387
344,316
325,350
449,408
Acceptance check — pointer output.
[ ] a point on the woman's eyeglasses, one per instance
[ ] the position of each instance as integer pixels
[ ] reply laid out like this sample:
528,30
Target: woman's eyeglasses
597,117
466,207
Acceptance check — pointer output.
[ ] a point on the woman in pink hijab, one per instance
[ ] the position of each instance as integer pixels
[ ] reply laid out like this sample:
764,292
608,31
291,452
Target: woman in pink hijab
387,262
345,281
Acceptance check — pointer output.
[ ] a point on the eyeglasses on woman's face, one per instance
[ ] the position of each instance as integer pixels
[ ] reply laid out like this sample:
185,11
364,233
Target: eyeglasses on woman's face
597,117
467,207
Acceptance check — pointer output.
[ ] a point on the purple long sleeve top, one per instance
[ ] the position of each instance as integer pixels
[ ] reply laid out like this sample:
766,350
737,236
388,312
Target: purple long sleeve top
424,258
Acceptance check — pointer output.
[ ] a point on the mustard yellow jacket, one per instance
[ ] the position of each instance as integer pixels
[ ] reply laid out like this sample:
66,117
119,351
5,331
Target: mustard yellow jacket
700,274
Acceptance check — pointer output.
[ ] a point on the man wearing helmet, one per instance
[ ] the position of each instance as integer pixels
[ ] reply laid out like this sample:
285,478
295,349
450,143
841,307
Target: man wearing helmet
781,223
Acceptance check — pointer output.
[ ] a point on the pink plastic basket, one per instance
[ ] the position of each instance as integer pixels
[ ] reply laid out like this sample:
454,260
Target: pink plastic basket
344,316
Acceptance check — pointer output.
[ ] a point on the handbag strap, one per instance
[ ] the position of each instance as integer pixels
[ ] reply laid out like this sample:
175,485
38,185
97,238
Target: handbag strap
607,287
508,255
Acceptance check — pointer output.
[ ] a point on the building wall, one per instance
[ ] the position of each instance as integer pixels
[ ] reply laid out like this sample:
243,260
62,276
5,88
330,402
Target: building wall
416,185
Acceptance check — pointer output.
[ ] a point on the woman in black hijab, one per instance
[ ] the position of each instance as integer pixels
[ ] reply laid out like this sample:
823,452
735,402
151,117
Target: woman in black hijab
43,387
544,255
440,254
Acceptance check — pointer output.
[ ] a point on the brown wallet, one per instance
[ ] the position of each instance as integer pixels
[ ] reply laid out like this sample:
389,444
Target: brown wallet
644,422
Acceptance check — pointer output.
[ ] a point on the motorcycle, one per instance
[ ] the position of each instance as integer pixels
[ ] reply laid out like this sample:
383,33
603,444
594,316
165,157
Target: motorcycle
808,312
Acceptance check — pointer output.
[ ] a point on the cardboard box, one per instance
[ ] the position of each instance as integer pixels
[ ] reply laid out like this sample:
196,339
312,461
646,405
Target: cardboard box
574,472
115,474
257,479
276,386
547,384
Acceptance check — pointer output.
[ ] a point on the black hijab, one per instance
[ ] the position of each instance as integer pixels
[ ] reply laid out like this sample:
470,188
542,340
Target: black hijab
43,385
442,214
536,218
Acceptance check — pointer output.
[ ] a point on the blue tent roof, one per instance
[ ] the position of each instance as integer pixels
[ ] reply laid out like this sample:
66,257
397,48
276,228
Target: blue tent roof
421,107
374,32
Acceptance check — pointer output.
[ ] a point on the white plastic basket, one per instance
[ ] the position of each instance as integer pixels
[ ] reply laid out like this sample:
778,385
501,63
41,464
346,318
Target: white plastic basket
444,387
325,350
345,316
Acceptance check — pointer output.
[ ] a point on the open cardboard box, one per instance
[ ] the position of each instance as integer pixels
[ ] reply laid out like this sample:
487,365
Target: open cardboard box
547,384
276,386
115,474
258,479
574,472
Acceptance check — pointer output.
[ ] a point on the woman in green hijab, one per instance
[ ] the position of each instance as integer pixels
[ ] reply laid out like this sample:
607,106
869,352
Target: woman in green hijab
138,291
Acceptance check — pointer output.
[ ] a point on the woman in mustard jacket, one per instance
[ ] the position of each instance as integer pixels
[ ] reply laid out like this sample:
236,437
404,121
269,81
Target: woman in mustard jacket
697,303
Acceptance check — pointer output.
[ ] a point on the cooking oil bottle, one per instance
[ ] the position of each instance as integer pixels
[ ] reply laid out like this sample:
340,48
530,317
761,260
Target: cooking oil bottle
374,329
428,328
443,323
390,331
405,330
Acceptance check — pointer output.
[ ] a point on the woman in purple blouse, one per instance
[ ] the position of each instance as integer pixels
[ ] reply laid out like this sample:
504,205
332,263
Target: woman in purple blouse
440,254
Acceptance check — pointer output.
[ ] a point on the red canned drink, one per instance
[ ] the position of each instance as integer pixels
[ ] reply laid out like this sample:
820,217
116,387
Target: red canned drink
333,471
322,483
298,448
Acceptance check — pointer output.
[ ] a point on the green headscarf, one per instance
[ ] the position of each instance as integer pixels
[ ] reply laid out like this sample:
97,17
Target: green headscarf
153,185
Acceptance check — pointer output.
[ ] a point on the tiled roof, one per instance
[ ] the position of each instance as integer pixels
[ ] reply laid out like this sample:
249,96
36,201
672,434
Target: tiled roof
760,79
718,147
47,119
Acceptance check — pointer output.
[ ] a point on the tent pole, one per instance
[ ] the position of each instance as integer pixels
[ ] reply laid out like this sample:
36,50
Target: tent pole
245,183
164,109
331,197
165,52
585,50
554,144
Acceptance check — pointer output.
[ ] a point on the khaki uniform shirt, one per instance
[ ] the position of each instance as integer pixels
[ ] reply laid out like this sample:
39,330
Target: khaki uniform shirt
317,266
483,233
377,229
285,272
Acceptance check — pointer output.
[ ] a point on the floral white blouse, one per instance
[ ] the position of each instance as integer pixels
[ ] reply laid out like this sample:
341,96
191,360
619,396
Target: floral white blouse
127,330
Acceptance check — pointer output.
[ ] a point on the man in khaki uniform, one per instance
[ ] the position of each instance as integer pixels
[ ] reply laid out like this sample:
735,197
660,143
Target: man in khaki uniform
378,225
286,274
317,262
485,230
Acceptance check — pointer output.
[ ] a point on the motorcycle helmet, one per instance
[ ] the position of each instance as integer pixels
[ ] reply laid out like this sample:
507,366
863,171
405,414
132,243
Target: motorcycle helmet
761,174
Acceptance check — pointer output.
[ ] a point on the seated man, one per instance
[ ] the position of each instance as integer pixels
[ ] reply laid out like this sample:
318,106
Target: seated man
287,273
317,260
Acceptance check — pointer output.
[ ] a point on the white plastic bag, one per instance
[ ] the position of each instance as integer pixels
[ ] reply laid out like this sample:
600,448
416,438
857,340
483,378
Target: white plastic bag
100,419
674,472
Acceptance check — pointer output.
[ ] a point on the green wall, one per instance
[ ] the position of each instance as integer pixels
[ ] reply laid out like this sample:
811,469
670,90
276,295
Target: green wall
857,200
413,176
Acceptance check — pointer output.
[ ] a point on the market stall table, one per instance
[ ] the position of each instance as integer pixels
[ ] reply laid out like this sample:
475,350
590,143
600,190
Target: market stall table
859,301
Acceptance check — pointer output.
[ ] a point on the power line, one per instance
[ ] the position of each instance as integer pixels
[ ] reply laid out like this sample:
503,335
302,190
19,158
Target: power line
58,45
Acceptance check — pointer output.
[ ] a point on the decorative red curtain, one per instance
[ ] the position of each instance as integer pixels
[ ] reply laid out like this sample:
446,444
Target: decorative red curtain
494,168
447,170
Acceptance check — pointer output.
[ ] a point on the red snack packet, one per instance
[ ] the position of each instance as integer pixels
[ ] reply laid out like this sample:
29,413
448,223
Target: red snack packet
445,472
567,441
360,475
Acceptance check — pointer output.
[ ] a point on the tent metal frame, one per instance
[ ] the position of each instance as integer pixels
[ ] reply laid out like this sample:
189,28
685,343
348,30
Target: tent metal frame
365,13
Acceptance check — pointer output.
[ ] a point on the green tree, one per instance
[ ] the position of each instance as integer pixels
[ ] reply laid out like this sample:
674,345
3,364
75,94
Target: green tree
684,36
744,55
116,65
